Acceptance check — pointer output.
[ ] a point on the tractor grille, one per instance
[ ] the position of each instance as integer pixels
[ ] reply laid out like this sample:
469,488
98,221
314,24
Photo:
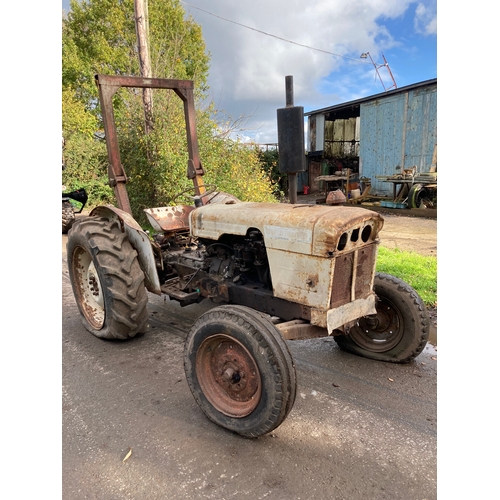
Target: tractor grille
352,275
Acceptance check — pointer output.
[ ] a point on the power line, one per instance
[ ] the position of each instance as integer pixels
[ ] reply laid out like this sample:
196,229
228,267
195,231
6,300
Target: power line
274,36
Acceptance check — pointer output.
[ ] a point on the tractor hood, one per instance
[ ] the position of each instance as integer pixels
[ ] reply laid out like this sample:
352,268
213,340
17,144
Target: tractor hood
317,230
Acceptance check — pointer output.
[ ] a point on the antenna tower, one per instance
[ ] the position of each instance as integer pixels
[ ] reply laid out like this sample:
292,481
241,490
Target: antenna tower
364,55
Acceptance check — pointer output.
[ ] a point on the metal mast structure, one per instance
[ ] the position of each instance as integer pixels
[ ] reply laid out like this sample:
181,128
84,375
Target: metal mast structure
364,55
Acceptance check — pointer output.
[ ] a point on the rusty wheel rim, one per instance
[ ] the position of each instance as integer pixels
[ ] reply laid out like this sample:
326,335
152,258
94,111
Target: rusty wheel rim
88,288
228,375
381,332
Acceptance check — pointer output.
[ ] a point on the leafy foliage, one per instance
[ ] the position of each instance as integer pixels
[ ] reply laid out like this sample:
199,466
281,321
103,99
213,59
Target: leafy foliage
99,37
85,161
269,160
156,164
75,119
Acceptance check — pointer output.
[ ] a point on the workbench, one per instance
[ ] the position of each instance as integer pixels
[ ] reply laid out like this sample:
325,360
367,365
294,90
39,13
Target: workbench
414,189
333,182
404,188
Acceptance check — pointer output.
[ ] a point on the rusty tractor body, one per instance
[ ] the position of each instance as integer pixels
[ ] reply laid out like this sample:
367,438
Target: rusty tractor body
276,271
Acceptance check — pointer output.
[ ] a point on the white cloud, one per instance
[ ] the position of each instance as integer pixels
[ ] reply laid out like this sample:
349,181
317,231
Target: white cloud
248,67
425,21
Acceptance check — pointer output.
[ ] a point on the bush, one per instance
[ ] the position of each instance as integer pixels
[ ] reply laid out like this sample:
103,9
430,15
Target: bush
156,164
269,161
85,160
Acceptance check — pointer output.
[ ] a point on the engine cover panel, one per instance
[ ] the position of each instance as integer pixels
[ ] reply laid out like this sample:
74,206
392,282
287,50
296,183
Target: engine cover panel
306,229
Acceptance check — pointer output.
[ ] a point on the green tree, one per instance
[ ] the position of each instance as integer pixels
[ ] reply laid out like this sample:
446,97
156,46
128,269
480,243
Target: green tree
269,160
85,163
75,118
99,37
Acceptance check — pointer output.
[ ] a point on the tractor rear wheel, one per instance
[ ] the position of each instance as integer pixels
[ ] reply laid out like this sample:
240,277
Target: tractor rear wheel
240,370
107,280
398,332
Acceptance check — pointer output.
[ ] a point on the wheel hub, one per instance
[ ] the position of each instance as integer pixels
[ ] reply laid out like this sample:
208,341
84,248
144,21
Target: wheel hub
88,288
380,332
228,375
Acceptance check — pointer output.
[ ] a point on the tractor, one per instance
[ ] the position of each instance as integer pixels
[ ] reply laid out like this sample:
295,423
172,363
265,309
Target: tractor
275,272
69,210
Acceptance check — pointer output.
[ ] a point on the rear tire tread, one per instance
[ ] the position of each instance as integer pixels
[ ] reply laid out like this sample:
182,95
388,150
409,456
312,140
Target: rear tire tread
120,273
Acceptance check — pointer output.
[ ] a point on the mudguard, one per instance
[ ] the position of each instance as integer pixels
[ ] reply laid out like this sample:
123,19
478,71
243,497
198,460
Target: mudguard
138,239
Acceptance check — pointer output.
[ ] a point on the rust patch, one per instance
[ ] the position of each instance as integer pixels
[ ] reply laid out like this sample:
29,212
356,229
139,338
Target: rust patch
342,278
169,219
228,375
348,283
300,330
364,271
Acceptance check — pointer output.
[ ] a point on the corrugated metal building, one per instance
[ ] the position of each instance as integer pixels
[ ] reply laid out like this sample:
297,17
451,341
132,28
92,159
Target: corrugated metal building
376,136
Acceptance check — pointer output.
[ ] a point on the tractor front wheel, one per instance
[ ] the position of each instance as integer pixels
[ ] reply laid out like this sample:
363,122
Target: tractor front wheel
239,370
400,329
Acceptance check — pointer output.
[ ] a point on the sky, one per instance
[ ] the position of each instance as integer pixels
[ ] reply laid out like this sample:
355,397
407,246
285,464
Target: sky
255,45
248,67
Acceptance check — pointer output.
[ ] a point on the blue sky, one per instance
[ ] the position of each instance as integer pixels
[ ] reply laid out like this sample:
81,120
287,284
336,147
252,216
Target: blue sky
248,67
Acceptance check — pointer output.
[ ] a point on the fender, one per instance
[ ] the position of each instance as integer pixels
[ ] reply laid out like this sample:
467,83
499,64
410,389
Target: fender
138,239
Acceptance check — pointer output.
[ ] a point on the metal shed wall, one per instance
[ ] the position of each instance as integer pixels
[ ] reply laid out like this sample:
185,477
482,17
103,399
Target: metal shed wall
397,132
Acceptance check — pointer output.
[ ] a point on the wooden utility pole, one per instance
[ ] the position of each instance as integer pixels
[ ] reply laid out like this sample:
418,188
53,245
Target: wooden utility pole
142,31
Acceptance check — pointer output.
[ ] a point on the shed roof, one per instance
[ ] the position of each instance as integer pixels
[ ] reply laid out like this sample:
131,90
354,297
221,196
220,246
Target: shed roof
351,108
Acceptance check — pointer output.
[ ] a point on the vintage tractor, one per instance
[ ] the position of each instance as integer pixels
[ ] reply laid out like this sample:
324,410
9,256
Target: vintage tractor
69,209
276,271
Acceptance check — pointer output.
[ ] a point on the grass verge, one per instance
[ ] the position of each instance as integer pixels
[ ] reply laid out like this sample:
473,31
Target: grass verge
419,271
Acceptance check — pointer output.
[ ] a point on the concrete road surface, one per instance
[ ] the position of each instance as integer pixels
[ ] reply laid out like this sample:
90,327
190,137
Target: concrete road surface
359,429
